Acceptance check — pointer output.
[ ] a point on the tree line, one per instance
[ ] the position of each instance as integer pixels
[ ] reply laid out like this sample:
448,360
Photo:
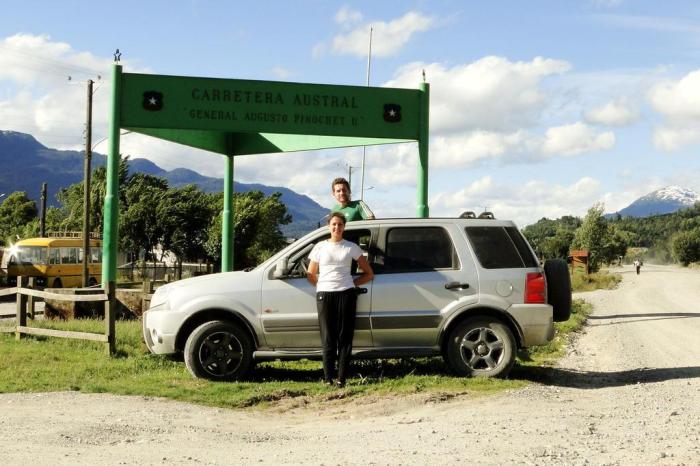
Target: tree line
184,220
665,238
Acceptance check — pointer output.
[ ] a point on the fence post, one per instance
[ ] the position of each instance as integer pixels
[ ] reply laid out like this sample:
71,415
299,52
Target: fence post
110,311
147,286
30,299
21,309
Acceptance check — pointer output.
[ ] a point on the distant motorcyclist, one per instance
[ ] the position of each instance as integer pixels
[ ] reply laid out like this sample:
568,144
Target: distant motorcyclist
637,265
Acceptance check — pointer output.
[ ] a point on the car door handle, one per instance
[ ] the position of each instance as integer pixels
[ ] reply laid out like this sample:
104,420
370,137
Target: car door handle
456,286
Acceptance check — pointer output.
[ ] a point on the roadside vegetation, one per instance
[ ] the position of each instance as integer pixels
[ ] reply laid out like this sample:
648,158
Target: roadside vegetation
601,280
661,239
38,364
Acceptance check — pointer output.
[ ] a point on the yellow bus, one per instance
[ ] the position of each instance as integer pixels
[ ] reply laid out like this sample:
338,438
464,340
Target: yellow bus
55,262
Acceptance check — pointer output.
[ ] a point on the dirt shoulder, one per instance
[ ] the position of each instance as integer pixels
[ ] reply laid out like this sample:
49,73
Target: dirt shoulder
628,392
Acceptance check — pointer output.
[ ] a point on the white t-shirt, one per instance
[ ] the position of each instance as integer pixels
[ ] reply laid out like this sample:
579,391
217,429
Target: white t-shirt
334,262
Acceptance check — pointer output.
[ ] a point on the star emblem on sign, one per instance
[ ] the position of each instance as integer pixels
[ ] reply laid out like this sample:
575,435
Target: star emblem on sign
392,113
152,100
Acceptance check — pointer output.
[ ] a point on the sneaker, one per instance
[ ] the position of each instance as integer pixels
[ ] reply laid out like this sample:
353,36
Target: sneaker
340,383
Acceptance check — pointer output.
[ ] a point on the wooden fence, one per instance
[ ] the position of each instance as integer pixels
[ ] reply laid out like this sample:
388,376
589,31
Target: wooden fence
25,302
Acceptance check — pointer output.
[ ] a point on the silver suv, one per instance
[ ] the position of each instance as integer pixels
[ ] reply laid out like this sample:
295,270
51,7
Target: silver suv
469,289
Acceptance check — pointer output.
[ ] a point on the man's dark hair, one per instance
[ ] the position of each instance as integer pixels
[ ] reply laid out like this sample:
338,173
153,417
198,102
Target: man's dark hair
340,180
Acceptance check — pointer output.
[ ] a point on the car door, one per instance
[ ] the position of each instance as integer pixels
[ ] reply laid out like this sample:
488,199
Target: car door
420,277
289,318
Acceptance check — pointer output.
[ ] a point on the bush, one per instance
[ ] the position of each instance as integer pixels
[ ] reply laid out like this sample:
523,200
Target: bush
685,246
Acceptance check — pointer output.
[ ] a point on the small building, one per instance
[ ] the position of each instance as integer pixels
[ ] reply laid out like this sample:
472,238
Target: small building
578,260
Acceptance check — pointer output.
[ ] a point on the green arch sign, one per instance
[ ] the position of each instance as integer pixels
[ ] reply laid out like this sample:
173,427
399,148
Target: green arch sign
235,117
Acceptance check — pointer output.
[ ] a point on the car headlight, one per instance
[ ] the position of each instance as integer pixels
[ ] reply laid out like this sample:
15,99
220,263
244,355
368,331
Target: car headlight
160,297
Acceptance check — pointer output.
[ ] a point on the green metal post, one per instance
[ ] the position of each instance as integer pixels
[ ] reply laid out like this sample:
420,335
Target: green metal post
111,205
422,209
227,228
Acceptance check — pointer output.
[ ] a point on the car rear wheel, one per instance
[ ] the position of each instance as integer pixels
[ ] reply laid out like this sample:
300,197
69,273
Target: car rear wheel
218,350
58,283
481,347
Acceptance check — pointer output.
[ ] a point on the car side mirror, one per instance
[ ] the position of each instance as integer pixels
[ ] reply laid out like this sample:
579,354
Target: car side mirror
281,268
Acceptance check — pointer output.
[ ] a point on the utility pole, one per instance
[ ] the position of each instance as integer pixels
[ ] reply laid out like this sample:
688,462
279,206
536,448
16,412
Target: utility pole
364,148
86,187
42,216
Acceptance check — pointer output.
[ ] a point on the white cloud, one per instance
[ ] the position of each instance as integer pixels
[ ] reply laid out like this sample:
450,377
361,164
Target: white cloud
679,102
492,93
388,38
525,204
605,3
573,139
619,112
491,110
674,137
346,16
34,71
282,73
476,147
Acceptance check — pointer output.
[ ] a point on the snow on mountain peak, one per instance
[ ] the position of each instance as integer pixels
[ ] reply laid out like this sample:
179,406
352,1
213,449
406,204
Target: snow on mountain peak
678,194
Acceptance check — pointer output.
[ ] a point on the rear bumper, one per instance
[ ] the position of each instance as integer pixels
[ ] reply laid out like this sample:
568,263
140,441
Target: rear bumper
535,321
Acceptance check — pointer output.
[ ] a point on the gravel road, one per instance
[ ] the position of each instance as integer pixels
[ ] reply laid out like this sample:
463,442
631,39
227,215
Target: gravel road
628,392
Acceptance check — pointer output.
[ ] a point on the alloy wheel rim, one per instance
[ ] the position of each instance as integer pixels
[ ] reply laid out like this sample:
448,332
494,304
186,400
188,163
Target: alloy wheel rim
221,354
482,349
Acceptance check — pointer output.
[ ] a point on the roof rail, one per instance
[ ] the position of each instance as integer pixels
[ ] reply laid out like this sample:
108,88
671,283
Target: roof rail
467,214
488,215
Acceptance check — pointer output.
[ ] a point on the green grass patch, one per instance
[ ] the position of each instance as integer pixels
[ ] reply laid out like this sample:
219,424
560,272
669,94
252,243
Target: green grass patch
45,364
602,280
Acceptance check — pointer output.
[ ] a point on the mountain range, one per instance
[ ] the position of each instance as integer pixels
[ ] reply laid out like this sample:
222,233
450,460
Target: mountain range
26,164
662,201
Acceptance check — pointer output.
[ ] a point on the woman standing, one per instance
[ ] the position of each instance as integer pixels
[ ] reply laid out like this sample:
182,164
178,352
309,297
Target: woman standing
336,296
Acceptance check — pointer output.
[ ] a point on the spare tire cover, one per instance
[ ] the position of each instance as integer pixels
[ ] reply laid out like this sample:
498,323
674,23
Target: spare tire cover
558,288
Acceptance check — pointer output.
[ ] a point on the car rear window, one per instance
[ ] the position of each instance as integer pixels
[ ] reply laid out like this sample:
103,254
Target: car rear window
500,248
524,250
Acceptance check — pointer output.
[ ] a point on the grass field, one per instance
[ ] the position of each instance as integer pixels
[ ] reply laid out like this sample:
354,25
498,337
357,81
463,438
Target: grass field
44,364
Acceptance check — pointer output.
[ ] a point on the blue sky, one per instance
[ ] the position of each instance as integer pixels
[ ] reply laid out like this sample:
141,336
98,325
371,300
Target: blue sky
538,108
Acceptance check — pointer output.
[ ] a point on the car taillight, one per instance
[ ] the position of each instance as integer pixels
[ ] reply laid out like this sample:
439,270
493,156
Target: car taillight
535,288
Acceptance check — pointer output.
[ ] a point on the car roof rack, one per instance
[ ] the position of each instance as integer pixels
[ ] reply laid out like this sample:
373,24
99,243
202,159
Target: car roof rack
467,214
488,215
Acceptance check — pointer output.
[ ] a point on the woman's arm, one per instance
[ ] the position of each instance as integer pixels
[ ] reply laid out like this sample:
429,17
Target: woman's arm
312,273
367,273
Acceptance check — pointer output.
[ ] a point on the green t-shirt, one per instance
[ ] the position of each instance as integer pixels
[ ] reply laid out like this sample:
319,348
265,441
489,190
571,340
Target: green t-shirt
355,210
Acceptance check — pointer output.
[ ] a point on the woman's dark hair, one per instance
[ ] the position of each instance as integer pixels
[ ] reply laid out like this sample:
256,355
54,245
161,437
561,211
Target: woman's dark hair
340,215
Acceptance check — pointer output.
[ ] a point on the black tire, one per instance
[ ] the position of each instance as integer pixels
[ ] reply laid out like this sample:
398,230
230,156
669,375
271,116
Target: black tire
558,288
481,347
57,283
92,281
218,350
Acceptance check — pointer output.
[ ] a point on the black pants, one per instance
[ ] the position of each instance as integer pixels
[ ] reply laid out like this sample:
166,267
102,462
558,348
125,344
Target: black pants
336,317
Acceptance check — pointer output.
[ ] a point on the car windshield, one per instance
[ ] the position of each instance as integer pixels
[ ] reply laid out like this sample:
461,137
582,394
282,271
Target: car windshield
29,255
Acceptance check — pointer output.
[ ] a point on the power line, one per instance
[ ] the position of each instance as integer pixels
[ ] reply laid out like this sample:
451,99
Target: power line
66,67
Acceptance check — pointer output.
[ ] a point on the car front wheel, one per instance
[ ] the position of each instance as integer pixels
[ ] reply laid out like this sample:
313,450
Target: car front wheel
481,347
218,350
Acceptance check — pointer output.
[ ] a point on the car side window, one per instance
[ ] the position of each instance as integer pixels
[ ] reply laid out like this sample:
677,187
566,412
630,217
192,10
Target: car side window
416,249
